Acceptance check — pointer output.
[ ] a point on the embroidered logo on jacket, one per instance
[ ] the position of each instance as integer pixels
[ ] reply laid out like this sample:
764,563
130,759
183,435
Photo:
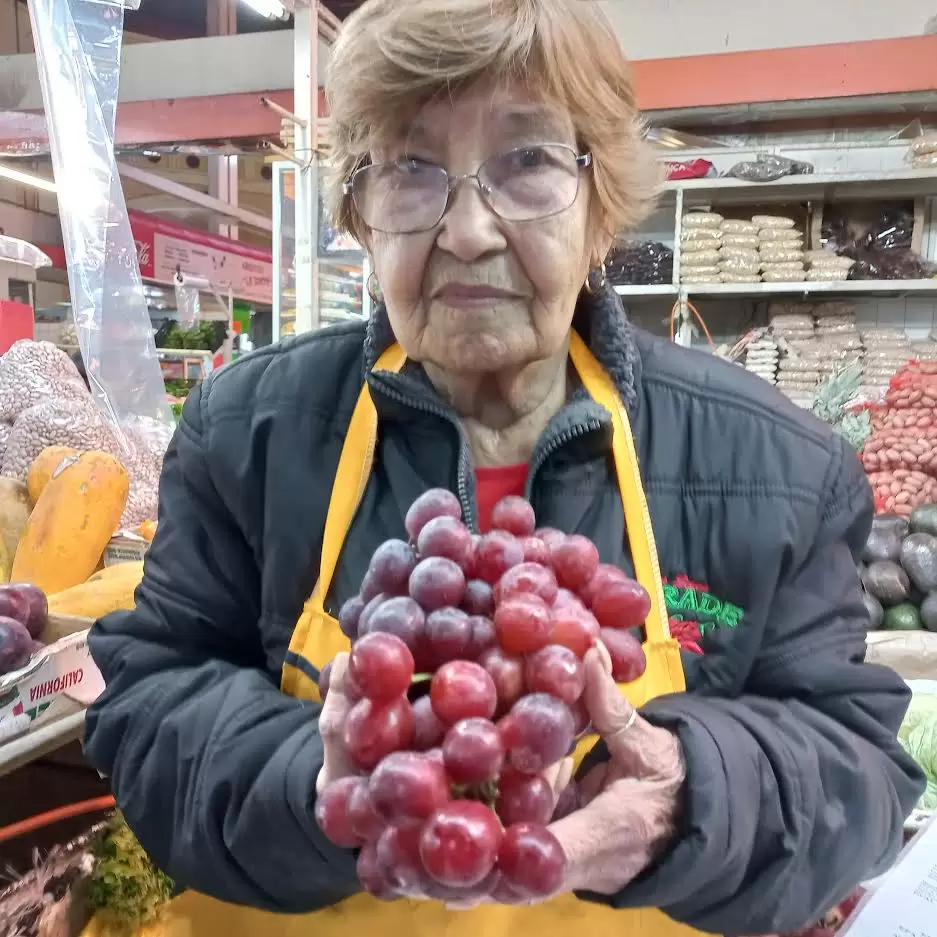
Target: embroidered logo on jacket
694,612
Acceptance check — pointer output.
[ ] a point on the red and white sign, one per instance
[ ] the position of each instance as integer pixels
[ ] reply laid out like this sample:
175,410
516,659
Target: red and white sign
164,247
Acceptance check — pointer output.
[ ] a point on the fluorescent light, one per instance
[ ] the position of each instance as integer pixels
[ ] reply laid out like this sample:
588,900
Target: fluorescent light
271,8
25,178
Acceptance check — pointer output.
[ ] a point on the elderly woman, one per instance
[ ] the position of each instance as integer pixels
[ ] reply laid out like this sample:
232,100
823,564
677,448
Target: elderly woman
487,151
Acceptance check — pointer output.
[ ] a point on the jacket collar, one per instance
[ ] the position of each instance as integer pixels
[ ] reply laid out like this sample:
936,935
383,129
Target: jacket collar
599,318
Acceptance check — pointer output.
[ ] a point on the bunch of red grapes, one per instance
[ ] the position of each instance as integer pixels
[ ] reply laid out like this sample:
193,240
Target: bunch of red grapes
466,674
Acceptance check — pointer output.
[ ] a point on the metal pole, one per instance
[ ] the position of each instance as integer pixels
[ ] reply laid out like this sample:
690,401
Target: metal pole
306,107
222,20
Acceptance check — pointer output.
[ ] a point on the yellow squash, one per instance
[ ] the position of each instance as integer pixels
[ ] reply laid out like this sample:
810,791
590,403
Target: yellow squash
15,508
99,597
73,520
44,467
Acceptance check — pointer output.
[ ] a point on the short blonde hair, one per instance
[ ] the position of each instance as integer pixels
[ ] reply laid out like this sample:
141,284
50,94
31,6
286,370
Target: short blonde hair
394,56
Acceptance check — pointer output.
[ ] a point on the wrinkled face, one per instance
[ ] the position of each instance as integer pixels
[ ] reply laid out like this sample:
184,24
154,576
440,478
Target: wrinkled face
478,292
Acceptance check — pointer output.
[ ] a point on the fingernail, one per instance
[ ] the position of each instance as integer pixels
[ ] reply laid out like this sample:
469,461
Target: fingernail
604,656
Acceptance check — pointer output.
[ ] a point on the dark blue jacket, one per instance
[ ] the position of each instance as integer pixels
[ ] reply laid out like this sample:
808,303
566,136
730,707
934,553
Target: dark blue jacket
797,788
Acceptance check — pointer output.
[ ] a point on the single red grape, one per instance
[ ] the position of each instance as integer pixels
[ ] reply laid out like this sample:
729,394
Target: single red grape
437,502
549,535
447,537
407,787
558,671
628,659
350,689
325,678
349,615
484,636
459,843
366,822
535,551
370,875
448,636
331,812
527,579
437,582
364,619
524,798
568,802
473,751
399,616
382,666
462,689
515,515
575,627
604,576
369,587
531,860
373,731
524,624
621,604
575,560
537,732
428,731
495,554
398,858
435,754
507,674
390,567
479,598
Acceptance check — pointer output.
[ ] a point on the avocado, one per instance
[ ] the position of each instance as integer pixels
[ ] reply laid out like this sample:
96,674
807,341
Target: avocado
923,519
904,617
919,559
888,582
929,612
892,522
884,543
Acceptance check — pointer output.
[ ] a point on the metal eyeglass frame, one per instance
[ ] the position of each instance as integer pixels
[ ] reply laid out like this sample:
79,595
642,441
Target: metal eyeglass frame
583,161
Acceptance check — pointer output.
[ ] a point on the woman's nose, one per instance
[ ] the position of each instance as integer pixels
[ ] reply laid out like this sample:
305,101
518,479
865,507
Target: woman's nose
470,229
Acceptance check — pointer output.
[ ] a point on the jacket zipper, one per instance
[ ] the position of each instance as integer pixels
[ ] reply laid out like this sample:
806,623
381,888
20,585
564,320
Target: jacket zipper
554,445
468,509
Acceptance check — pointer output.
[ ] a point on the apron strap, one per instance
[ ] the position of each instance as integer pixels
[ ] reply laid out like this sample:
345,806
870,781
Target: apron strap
637,514
354,469
351,478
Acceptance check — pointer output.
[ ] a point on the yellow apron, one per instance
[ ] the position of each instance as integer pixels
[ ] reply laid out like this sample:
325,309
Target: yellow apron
317,638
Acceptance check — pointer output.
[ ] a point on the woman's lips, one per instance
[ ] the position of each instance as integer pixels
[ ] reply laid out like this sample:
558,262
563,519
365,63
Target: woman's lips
460,295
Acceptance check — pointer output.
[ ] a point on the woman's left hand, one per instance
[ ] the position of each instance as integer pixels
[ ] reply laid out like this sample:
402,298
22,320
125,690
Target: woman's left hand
631,803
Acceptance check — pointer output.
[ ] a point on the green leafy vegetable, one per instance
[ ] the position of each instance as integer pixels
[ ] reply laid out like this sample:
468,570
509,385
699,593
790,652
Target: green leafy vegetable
918,737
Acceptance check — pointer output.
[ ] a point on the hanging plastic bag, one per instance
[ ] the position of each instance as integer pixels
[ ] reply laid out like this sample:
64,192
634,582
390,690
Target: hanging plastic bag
78,48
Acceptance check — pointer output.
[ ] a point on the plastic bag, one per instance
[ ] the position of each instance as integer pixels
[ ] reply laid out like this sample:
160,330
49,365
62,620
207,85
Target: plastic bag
640,262
739,265
923,145
741,277
692,275
35,372
781,273
78,52
781,255
824,258
774,222
735,226
22,252
826,275
769,168
780,236
709,236
745,254
740,240
706,258
702,219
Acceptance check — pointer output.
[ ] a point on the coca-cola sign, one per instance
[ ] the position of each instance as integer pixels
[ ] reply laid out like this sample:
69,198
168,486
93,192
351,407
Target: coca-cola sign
145,257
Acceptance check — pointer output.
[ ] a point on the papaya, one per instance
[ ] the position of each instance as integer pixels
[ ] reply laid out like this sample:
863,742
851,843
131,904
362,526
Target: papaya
93,600
44,466
15,508
74,519
119,572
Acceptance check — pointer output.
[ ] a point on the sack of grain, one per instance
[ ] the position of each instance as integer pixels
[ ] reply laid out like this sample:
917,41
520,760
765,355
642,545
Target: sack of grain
739,265
741,277
781,255
740,240
773,222
780,236
781,273
704,258
709,236
747,254
702,219
695,275
827,275
734,226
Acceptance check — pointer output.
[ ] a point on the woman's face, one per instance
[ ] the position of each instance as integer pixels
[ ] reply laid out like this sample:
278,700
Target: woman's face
476,293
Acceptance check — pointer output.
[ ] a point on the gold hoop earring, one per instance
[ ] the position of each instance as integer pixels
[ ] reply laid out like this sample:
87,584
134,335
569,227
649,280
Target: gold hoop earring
596,280
374,288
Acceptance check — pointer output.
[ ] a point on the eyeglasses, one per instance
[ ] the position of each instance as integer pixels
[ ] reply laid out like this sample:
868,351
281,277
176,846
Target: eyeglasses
408,196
